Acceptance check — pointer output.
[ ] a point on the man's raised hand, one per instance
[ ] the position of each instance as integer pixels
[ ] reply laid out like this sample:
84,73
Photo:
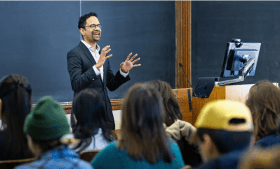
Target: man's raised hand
103,56
129,63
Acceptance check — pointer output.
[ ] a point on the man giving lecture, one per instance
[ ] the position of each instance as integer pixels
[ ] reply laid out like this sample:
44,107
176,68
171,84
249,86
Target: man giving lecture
89,65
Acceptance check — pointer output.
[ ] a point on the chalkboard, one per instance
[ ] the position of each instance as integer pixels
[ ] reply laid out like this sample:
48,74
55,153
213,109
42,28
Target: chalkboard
36,36
216,23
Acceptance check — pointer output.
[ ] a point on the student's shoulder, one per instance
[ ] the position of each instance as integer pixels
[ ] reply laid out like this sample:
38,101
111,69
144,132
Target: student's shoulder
109,151
110,156
110,148
31,165
84,165
268,141
173,143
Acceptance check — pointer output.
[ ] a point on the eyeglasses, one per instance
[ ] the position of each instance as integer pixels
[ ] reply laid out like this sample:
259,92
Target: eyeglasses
94,26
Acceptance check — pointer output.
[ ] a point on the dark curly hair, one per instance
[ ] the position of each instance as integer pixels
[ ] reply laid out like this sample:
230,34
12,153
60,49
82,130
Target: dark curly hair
82,20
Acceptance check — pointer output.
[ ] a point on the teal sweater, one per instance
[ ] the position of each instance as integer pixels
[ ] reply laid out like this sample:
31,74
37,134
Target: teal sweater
112,157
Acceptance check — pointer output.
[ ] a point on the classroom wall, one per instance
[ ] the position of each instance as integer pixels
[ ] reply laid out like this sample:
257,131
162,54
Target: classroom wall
36,36
214,23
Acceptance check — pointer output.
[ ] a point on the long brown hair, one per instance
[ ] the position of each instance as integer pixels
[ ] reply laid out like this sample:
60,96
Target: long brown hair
170,103
15,93
264,103
142,132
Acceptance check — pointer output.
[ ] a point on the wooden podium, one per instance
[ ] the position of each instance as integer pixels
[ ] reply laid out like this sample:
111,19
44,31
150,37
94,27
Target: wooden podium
232,92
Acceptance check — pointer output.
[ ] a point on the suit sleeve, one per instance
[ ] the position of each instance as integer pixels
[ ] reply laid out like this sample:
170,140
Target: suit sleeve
79,80
115,81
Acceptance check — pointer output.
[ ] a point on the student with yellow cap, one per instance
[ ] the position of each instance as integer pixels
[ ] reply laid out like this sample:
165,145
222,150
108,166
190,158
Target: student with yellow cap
224,131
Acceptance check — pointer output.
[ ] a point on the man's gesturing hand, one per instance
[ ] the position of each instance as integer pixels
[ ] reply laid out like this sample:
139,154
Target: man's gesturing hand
103,56
129,63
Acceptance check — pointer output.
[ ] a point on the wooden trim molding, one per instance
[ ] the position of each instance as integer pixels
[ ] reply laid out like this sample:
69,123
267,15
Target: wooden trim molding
183,43
181,95
116,105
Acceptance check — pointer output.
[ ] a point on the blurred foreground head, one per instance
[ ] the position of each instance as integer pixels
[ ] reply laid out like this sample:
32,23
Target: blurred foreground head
15,105
46,125
223,126
142,132
264,103
89,110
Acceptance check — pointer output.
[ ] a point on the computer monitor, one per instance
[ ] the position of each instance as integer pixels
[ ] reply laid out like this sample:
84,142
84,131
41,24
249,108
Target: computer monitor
238,56
240,61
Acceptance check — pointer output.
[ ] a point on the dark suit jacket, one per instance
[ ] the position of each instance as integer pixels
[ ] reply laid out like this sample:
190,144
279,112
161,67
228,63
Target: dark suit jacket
82,76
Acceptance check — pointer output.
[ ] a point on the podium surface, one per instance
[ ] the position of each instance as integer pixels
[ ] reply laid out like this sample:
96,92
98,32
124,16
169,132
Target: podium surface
231,92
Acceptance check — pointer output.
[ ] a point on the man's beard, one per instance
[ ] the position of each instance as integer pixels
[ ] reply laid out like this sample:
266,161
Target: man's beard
96,39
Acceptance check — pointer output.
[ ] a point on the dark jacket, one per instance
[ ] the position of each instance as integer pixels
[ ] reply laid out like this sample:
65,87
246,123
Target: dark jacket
82,76
269,141
227,161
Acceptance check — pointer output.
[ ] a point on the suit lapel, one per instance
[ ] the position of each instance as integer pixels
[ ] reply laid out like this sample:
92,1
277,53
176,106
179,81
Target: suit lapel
90,57
87,53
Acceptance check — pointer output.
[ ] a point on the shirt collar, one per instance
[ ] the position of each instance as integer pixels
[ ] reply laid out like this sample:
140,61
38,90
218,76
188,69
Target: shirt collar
90,47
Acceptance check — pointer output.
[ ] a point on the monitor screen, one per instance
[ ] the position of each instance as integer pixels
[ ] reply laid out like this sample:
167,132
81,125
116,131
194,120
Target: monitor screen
237,56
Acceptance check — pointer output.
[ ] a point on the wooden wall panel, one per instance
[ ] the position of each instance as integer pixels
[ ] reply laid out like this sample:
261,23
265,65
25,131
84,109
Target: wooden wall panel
182,97
218,92
116,105
183,43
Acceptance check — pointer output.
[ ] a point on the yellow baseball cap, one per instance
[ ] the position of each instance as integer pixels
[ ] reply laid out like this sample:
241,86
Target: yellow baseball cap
220,114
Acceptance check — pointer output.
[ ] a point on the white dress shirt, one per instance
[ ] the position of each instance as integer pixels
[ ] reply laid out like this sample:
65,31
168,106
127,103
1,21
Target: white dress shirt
95,55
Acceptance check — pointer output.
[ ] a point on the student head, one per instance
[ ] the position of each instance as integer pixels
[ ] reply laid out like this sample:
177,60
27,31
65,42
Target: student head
264,103
170,103
89,110
15,96
87,29
142,132
222,126
45,126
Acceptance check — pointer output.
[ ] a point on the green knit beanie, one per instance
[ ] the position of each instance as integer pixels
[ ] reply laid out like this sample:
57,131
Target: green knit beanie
47,120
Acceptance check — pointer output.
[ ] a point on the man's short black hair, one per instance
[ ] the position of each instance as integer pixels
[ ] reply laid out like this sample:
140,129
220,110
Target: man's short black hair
82,20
